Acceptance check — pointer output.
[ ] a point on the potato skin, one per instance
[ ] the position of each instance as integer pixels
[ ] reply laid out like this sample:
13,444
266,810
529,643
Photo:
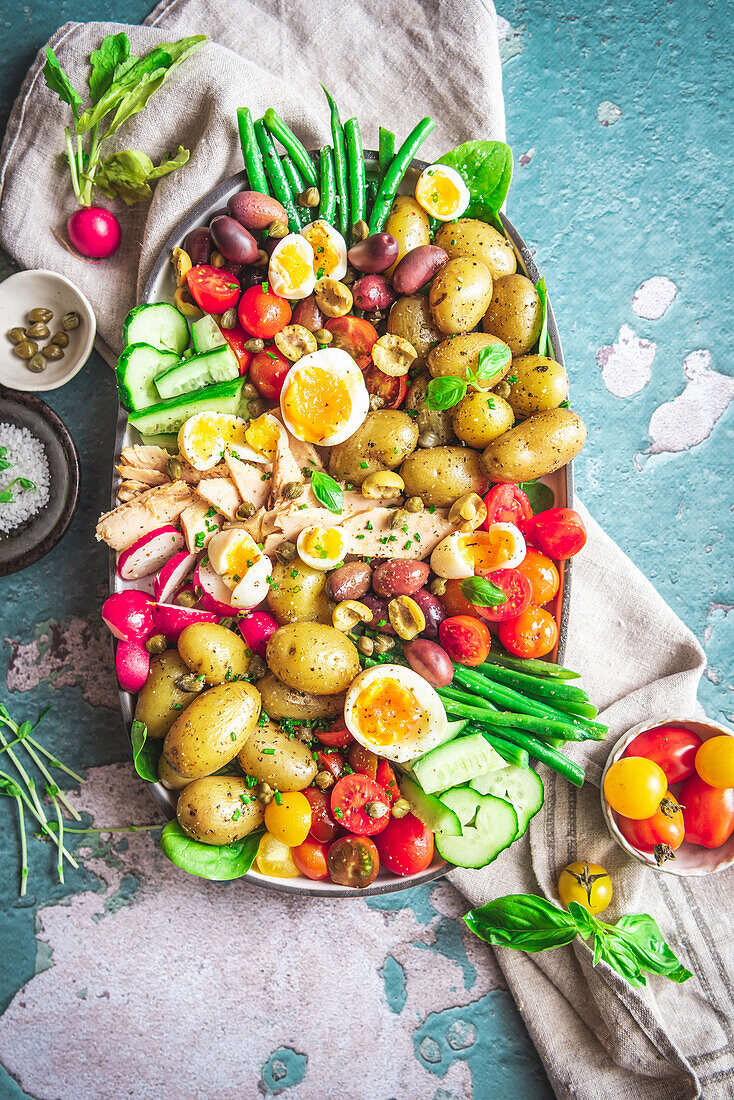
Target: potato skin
474,238
386,437
460,295
206,807
409,225
212,730
288,766
542,384
428,420
300,598
217,653
281,701
160,702
454,356
441,474
410,317
515,313
481,417
313,657
538,446
168,777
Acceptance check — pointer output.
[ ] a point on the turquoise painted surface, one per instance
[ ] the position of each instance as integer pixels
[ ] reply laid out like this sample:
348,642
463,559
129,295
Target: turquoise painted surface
619,120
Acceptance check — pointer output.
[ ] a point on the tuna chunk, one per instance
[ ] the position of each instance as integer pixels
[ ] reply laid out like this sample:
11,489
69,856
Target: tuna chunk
150,509
221,492
252,481
369,533
197,523
145,457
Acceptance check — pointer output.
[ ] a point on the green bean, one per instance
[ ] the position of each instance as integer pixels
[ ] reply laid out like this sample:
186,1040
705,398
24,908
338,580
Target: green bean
544,727
295,182
513,754
530,665
513,700
396,171
355,165
463,697
387,149
276,175
251,154
292,146
327,185
340,167
534,685
569,769
372,186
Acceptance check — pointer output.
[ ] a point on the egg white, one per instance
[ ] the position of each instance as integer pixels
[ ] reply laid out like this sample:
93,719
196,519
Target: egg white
450,561
249,585
340,364
223,424
433,726
280,278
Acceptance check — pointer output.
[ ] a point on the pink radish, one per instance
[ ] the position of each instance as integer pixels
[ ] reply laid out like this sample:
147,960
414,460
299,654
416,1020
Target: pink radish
257,629
94,232
170,619
215,596
170,578
129,615
150,553
132,662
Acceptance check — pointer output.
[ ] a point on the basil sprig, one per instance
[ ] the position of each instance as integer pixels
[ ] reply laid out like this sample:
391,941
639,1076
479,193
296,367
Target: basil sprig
481,592
445,392
327,491
634,946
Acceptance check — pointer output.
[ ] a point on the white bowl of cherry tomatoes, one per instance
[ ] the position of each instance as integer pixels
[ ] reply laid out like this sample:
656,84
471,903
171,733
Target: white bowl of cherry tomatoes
667,795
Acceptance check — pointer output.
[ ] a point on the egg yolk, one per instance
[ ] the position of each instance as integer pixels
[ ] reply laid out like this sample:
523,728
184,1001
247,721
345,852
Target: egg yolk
293,266
262,435
386,710
207,433
326,257
487,550
317,403
242,556
440,194
324,543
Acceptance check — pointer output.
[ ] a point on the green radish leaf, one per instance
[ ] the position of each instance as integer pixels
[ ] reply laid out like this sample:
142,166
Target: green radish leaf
169,163
543,338
540,495
57,80
482,592
327,491
125,176
522,921
444,393
492,360
486,168
145,752
219,862
106,63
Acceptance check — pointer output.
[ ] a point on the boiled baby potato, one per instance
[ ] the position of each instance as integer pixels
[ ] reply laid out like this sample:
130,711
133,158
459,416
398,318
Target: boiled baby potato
168,777
541,384
214,652
410,317
273,757
212,730
460,295
481,417
218,809
453,357
160,702
471,237
312,657
442,474
409,225
536,447
386,437
515,313
298,593
437,421
281,701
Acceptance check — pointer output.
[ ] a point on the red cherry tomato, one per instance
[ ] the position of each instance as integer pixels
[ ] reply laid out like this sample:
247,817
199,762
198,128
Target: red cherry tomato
708,812
349,800
310,859
664,830
671,747
454,603
331,761
267,373
532,634
405,846
323,826
212,289
392,390
335,735
507,504
353,861
516,588
363,760
559,532
386,779
263,313
542,574
355,336
236,338
465,639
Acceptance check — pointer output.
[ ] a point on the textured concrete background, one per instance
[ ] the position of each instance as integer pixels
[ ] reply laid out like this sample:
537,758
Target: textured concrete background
130,980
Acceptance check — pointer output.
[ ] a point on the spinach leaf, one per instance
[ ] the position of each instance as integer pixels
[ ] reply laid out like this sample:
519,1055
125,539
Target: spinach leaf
327,491
540,495
482,592
486,168
145,752
522,921
219,862
443,393
106,63
543,338
57,80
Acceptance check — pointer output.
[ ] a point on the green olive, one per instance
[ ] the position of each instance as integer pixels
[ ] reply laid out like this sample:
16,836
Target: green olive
40,313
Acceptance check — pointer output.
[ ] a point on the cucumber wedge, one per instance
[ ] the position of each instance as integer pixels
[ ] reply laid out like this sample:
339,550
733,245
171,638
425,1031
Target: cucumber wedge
521,786
206,334
137,368
489,825
168,416
188,375
455,763
160,325
431,811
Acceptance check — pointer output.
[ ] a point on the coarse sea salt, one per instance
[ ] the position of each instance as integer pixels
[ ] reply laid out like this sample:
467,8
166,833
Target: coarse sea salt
27,456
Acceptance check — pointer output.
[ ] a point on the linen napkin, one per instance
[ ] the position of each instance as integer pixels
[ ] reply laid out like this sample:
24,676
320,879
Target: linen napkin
397,61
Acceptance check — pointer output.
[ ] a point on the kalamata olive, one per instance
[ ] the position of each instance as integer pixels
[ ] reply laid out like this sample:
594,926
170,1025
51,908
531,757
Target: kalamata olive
251,276
349,582
380,617
256,211
308,314
198,244
374,254
430,661
234,241
399,577
433,611
418,267
373,292
234,269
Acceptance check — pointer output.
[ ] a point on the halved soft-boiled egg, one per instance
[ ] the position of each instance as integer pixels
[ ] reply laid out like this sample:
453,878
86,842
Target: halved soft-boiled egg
241,564
324,399
441,192
329,250
261,439
204,437
291,271
501,547
394,712
321,547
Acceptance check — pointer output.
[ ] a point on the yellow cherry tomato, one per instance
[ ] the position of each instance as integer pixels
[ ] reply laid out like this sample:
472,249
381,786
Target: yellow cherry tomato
633,787
274,858
588,884
715,761
289,819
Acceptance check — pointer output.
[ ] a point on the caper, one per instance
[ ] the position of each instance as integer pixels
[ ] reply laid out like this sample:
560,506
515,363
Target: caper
350,277
292,490
174,469
400,807
310,197
254,345
286,552
366,645
189,683
26,349
248,391
257,668
323,336
40,313
229,318
246,510
38,331
70,321
256,408
382,644
428,439
324,780
414,504
502,389
61,338
278,229
217,259
186,599
37,363
360,230
262,258
437,586
399,518
52,351
156,644
375,809
16,335
265,793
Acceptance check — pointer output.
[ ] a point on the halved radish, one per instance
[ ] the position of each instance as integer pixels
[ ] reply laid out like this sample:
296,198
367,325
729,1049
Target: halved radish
215,595
150,553
257,628
132,663
170,578
129,615
170,619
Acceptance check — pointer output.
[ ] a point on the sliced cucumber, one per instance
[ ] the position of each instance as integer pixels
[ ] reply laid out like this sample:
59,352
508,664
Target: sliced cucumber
206,334
160,325
455,763
431,811
168,416
137,368
488,824
202,370
521,786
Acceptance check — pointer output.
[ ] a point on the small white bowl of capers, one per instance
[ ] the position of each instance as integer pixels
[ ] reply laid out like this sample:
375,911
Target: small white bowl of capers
47,330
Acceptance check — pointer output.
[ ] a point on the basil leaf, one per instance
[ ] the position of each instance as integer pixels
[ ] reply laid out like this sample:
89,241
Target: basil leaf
219,862
642,936
327,491
522,921
492,360
486,168
443,393
540,495
145,752
482,592
105,62
619,958
586,924
57,80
